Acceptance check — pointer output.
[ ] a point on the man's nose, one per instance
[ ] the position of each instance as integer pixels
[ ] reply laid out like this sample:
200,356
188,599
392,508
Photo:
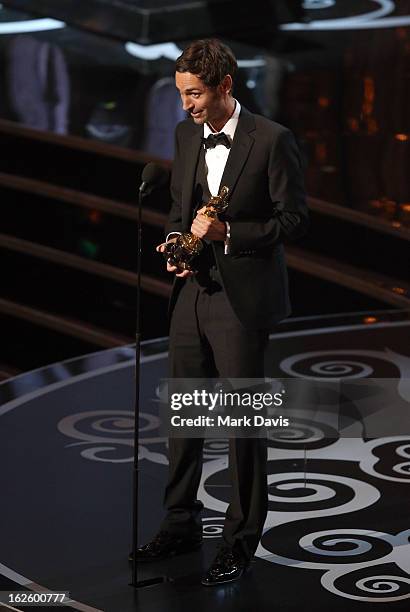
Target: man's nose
187,104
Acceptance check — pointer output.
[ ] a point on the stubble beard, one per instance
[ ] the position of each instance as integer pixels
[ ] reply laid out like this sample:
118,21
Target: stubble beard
199,120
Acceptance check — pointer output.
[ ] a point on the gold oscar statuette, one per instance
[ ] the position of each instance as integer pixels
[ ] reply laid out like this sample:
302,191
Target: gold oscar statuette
182,251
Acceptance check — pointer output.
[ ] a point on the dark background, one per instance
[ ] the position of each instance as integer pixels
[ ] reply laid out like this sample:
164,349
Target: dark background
84,106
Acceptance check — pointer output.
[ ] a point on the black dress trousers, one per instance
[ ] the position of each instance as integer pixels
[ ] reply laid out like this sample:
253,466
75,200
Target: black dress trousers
207,340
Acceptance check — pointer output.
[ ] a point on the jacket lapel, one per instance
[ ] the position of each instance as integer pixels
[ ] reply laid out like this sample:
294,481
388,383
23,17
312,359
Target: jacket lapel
187,192
241,147
239,153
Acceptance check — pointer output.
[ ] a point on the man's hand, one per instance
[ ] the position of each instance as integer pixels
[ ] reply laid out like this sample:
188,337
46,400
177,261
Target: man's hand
170,268
204,227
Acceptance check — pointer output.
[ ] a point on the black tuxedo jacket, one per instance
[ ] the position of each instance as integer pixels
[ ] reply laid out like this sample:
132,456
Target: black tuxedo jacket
266,208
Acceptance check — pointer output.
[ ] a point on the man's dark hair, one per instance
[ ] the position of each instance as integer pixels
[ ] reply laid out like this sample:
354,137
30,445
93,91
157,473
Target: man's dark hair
209,59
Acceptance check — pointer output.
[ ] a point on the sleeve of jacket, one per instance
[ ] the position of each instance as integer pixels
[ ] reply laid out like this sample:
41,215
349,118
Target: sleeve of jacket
174,223
289,215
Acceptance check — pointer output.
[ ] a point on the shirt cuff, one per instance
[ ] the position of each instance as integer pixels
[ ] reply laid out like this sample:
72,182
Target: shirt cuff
227,241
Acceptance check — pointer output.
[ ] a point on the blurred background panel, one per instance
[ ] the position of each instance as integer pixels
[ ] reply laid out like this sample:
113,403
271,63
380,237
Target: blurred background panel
87,99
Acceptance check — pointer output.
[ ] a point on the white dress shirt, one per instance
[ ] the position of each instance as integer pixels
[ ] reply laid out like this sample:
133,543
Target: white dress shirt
215,162
216,158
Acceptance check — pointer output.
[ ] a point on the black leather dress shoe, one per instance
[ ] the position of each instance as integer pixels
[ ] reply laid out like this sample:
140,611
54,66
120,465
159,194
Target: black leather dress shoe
229,565
165,545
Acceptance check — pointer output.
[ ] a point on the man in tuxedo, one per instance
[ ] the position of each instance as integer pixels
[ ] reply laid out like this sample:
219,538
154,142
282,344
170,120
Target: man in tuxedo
222,314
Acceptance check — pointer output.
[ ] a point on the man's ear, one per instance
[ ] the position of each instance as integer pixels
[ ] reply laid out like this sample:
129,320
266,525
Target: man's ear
226,84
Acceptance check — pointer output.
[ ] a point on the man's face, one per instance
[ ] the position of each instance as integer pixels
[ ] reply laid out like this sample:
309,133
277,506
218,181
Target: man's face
204,104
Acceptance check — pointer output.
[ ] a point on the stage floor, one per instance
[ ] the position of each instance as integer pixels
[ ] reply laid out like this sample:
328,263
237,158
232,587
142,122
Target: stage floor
337,541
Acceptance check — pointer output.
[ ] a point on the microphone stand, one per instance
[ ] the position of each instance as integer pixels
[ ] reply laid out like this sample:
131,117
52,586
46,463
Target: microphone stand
143,191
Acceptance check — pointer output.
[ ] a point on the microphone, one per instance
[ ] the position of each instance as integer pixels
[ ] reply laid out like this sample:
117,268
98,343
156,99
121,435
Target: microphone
153,176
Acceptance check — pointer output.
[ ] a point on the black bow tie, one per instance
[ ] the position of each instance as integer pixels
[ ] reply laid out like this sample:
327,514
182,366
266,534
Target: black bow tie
215,139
